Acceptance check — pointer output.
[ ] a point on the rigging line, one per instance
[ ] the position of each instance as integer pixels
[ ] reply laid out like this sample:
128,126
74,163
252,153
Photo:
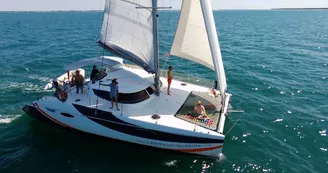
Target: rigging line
170,13
100,19
168,56
142,28
133,3
100,23
102,59
234,124
134,25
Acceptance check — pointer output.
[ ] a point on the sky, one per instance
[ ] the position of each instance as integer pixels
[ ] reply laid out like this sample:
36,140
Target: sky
46,5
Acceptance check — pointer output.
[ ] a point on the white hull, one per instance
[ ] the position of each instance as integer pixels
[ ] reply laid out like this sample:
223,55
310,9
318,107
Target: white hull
82,123
133,123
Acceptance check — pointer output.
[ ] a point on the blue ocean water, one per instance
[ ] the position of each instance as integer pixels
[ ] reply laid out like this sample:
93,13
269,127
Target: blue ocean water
277,69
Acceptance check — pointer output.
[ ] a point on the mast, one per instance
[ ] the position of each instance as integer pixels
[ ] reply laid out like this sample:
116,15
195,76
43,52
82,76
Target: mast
156,46
214,46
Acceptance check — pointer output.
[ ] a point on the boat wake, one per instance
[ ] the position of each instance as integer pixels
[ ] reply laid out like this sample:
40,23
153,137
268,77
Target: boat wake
26,87
6,119
40,78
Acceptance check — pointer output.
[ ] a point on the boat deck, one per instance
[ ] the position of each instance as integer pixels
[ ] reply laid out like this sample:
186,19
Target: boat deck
172,109
212,106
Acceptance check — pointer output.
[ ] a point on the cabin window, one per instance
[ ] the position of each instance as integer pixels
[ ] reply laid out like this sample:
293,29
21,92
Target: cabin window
150,90
133,97
127,98
67,115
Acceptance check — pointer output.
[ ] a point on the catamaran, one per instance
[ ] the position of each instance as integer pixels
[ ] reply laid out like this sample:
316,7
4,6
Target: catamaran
147,115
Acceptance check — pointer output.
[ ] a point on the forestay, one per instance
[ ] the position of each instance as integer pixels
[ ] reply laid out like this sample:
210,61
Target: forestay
195,40
127,31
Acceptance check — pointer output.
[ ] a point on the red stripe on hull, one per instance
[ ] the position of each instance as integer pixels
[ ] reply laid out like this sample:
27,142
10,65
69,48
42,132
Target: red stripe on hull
199,149
48,116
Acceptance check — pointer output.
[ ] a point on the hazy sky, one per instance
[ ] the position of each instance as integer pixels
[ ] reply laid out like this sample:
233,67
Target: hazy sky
27,5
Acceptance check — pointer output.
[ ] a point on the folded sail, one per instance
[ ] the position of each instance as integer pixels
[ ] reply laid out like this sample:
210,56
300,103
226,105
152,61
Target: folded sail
195,40
127,31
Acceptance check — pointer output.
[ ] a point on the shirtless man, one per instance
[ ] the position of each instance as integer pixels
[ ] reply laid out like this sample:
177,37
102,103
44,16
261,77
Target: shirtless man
199,109
78,80
169,79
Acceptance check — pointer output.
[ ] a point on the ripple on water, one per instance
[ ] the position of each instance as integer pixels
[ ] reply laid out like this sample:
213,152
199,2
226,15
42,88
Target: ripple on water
170,163
25,87
278,120
40,78
246,134
323,149
323,132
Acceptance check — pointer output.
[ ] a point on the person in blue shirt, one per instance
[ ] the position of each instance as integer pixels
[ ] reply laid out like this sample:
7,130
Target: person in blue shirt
114,93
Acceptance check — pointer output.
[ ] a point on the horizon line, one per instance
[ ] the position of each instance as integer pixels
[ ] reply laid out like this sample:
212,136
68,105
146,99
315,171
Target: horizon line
103,10
233,9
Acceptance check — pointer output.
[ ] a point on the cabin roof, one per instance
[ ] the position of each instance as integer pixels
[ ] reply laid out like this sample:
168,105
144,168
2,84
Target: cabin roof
104,60
128,82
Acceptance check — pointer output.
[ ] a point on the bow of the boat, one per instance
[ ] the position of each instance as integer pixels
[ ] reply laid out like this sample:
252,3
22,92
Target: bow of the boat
32,111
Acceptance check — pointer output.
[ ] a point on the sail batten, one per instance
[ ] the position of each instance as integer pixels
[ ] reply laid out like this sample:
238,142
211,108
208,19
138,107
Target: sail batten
127,31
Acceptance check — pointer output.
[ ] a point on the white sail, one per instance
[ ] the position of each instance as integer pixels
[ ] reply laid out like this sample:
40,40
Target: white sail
195,40
127,31
191,40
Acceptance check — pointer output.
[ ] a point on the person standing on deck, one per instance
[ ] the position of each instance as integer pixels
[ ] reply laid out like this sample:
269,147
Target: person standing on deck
114,93
78,81
169,79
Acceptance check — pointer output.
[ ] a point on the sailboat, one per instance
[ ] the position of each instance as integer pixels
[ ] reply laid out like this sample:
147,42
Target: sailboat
147,115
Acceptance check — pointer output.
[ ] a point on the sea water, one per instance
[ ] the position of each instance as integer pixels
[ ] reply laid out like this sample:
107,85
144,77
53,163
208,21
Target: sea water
276,64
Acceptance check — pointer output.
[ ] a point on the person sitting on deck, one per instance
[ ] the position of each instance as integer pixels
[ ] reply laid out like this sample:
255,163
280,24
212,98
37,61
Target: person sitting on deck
66,84
56,86
94,72
114,93
60,92
199,110
78,81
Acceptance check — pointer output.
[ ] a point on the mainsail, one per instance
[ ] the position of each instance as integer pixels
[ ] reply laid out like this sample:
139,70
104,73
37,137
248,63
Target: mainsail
127,31
196,39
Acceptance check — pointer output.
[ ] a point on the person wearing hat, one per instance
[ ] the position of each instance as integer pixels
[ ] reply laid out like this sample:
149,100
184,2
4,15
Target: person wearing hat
199,109
114,93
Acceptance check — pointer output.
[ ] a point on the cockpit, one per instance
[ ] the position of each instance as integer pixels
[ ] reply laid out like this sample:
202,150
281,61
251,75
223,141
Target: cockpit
133,88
